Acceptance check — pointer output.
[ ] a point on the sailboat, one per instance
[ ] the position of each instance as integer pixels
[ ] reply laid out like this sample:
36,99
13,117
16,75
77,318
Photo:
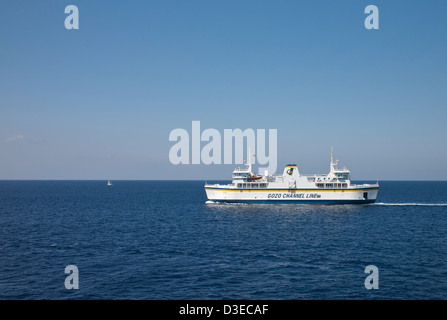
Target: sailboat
109,183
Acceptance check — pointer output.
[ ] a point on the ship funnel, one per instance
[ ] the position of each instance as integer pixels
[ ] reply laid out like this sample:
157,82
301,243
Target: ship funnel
291,171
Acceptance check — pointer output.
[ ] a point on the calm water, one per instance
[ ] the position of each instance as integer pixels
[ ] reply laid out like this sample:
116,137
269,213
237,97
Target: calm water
159,240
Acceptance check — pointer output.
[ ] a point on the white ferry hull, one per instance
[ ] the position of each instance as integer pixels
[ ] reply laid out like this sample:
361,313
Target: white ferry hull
293,187
305,196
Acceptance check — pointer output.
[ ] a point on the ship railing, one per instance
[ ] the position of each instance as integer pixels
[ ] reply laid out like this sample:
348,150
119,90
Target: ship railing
239,169
217,185
364,185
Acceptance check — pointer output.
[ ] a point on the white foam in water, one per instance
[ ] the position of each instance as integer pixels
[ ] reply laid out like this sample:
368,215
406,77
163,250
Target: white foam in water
412,204
388,204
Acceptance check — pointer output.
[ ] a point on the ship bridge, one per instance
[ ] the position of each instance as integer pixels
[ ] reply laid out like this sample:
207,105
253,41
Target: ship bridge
241,173
245,174
336,173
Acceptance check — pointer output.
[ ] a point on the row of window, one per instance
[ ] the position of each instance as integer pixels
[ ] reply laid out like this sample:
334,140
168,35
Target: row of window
264,185
332,185
252,185
240,174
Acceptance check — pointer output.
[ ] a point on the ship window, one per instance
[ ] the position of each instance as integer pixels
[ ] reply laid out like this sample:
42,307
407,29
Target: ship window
344,185
239,185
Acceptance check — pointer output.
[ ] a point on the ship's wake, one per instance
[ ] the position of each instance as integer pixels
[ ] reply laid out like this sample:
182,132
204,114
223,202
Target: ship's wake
412,204
373,204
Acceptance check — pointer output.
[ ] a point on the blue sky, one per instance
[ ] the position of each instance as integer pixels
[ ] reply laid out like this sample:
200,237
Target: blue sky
100,102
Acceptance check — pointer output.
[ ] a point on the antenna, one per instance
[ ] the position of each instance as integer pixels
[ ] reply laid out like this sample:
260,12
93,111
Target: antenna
332,159
249,159
332,155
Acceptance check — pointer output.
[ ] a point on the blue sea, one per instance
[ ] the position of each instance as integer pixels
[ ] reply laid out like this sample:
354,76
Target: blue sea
160,240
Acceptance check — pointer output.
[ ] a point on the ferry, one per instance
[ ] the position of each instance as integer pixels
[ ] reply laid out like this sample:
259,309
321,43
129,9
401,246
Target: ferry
292,187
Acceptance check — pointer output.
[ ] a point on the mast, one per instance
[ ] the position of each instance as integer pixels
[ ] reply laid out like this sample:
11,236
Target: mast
249,159
332,160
